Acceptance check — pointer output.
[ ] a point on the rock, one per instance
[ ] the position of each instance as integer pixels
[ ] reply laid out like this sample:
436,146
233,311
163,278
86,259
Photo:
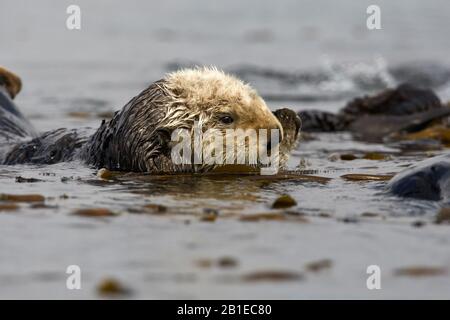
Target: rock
94,212
272,276
271,216
418,224
348,157
22,197
155,208
21,179
223,262
349,220
443,216
373,118
366,177
428,180
107,174
204,263
284,201
112,287
420,271
41,205
369,214
262,216
375,156
208,218
319,265
227,262
439,133
8,207
209,215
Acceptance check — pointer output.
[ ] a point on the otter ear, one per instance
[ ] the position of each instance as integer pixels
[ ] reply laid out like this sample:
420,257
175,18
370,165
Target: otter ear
163,137
289,120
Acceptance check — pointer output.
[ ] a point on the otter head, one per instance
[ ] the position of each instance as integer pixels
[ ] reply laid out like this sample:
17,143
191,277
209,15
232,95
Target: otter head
202,101
12,82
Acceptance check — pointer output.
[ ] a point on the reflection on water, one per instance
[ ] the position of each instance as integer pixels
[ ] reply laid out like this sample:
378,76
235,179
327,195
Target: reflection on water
296,56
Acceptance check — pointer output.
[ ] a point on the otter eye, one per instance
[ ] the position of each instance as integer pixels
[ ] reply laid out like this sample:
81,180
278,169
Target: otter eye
226,119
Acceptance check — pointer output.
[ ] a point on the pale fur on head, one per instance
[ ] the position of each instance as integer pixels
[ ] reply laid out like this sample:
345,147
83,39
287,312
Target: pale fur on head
207,92
204,94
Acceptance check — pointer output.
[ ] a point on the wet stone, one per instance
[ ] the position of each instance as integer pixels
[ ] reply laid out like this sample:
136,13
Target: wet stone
94,212
324,215
155,208
420,271
349,220
375,156
204,263
107,174
319,265
22,197
8,207
438,133
112,287
272,276
418,224
366,177
209,215
370,215
348,157
443,216
40,205
227,262
284,201
262,216
21,179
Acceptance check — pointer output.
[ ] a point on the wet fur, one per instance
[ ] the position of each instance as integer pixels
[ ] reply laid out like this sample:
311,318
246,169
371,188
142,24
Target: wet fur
138,138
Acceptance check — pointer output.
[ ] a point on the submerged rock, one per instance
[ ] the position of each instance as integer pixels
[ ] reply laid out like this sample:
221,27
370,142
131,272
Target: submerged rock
429,180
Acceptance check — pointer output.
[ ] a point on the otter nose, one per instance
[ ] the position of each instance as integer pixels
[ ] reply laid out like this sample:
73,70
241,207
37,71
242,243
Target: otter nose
289,120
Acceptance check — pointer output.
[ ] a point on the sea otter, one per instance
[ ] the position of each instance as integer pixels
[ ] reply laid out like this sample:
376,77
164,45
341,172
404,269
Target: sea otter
428,180
138,137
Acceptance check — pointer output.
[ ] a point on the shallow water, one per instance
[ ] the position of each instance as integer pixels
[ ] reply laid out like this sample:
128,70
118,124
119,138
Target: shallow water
295,56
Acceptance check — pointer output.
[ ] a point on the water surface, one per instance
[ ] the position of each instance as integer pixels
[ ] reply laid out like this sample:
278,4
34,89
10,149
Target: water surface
297,54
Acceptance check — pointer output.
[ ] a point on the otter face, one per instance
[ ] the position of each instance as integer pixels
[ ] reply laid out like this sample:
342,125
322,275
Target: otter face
222,104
